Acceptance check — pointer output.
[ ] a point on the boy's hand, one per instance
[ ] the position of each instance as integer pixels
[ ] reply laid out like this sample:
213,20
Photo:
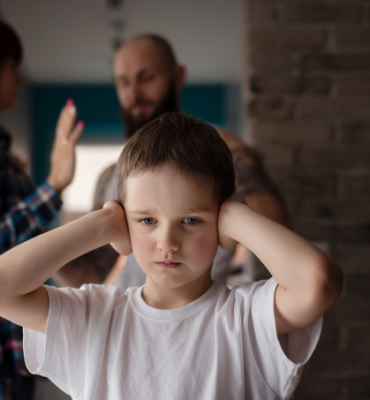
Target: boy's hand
121,236
224,238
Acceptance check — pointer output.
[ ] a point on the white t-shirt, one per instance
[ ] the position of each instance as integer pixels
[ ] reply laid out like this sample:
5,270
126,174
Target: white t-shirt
103,344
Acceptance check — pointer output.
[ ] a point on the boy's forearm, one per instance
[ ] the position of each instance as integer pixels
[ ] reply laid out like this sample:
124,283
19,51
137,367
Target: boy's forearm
269,206
292,260
25,268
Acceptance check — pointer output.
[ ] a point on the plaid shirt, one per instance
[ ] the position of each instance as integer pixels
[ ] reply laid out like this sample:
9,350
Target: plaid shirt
25,210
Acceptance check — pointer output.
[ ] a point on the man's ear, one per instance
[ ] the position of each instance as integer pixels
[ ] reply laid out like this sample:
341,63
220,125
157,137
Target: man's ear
180,77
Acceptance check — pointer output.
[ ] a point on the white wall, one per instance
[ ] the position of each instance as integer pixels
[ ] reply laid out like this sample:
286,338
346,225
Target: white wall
70,40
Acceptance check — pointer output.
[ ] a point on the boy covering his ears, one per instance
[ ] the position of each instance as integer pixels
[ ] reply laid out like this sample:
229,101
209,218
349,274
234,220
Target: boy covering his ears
180,336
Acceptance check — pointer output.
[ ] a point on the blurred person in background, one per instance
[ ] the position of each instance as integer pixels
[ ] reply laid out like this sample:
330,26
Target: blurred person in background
26,209
148,81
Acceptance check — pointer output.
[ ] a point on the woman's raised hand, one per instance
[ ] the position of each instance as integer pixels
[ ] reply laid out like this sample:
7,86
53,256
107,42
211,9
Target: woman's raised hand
63,153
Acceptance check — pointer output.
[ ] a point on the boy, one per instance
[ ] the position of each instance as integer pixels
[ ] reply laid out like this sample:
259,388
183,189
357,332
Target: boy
180,336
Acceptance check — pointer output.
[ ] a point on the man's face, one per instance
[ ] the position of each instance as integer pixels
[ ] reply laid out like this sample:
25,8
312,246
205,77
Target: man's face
172,219
145,84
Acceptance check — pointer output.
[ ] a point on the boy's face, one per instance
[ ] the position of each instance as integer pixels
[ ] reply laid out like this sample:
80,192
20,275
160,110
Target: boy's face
172,219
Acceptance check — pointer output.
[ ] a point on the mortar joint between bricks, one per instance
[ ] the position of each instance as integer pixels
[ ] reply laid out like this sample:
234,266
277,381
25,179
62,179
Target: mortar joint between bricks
295,154
330,39
333,93
344,389
279,12
336,132
365,14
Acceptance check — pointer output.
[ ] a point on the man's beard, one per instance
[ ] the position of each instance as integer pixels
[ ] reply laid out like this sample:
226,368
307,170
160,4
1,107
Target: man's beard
169,103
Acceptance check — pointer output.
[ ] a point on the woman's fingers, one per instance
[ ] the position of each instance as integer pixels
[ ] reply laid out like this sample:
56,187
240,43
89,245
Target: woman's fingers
66,121
63,152
77,132
66,130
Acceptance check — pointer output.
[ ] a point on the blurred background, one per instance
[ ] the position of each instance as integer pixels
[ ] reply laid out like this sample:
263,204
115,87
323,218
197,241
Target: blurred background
69,48
297,71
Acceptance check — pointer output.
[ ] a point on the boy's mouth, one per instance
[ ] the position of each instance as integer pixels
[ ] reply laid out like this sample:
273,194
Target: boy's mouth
168,264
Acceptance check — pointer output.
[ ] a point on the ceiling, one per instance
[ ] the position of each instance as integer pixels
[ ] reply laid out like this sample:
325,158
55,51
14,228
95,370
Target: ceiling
70,40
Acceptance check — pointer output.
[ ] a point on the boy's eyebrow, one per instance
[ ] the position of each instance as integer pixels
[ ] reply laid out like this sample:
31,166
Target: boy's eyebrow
141,212
185,211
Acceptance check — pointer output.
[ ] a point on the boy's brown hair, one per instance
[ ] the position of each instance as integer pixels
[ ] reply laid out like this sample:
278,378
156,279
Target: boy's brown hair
189,144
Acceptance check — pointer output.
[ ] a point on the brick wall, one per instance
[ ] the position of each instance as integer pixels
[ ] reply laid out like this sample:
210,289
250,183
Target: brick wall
308,111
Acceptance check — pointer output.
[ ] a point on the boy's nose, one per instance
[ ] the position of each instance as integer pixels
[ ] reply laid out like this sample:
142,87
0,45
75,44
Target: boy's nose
167,242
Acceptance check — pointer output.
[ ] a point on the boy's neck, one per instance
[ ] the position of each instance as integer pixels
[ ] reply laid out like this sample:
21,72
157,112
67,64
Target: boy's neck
165,298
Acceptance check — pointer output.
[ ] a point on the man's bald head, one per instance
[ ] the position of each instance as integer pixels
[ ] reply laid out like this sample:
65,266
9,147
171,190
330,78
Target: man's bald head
148,79
154,50
160,44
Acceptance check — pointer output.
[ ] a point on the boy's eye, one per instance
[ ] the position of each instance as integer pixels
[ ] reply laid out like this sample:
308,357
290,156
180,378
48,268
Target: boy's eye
191,221
147,221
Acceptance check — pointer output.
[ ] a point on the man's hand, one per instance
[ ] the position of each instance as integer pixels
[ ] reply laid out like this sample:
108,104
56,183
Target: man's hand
224,238
121,236
63,152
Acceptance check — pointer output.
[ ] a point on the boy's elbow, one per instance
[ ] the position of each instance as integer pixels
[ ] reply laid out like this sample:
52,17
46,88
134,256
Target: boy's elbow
9,293
328,283
4,295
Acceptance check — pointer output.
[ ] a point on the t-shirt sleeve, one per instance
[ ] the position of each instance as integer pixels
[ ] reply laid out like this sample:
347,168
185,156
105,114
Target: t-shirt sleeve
280,359
76,320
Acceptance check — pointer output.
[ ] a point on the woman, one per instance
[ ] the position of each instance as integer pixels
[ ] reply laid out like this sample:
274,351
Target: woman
26,209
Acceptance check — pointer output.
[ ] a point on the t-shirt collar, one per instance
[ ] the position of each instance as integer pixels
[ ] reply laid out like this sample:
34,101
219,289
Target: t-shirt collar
137,301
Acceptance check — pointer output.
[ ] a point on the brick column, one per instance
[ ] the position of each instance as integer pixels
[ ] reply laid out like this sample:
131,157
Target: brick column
308,112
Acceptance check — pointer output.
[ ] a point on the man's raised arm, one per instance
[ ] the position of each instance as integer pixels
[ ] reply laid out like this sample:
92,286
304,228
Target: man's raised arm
253,182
